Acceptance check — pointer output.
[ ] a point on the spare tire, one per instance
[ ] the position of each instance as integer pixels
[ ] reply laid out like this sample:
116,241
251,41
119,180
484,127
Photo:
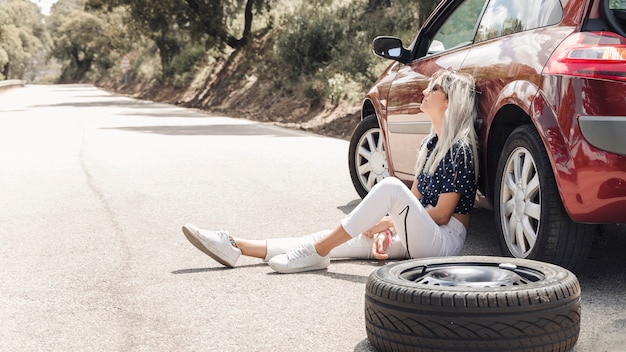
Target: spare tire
472,304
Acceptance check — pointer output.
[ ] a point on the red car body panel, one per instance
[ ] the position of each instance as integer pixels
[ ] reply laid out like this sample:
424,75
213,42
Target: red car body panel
514,88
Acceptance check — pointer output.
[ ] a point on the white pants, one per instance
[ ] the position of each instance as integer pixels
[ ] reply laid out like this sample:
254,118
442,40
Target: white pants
418,236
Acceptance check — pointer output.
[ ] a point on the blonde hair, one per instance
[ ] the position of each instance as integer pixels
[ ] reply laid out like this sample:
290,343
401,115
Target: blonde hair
458,122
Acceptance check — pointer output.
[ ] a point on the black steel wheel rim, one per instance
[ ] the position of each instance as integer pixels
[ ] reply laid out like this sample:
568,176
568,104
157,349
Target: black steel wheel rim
472,275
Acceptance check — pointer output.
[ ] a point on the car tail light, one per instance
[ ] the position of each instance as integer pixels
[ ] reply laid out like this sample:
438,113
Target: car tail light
599,55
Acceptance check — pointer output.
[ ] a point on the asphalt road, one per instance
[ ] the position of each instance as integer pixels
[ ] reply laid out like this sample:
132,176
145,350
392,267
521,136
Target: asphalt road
94,189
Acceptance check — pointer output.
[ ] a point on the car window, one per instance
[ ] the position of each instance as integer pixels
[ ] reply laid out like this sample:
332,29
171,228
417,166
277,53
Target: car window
459,28
504,17
617,4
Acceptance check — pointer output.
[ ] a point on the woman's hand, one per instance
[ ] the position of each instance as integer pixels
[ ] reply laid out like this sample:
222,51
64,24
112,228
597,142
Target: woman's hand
384,224
381,243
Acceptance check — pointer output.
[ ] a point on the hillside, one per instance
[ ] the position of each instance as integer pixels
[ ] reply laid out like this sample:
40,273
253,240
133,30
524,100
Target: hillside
302,64
308,66
226,91
232,87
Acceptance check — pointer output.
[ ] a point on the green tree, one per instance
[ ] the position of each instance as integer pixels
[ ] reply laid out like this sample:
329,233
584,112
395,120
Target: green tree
175,24
23,38
83,41
163,22
426,7
212,17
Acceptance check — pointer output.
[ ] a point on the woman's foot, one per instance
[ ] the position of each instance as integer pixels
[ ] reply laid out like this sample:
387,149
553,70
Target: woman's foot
216,244
302,258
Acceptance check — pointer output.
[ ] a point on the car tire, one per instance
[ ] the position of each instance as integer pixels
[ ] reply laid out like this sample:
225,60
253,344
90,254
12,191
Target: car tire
367,158
472,304
531,221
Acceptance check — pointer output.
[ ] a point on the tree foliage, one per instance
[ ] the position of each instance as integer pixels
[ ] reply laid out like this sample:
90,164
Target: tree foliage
316,49
84,41
175,25
212,17
425,8
327,41
23,38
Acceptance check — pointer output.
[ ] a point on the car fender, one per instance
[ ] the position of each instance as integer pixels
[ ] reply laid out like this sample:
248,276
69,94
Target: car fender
556,145
512,108
376,99
535,109
376,102
527,97
519,93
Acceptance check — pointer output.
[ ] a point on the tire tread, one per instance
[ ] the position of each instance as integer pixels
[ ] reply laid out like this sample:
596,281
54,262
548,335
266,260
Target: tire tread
403,316
561,241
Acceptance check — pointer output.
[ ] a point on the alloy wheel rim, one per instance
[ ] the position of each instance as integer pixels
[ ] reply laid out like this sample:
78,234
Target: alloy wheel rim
371,159
520,203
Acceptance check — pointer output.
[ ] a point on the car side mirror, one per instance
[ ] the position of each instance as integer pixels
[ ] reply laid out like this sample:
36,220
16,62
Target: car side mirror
390,48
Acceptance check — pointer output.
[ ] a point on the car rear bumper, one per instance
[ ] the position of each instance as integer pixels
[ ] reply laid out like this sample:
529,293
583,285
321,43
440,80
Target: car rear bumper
606,133
598,193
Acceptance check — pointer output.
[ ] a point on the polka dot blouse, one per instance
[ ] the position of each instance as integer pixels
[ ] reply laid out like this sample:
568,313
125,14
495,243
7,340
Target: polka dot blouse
455,173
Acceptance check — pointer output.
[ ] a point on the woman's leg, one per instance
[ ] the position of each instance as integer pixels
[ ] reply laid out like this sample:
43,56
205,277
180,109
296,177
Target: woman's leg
416,229
252,248
267,249
335,238
418,234
359,247
389,196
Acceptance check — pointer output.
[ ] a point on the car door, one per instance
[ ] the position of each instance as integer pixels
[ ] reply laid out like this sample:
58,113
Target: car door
514,40
443,42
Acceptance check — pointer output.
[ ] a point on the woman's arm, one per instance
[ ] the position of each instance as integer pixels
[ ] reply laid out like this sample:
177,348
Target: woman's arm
384,224
414,190
446,204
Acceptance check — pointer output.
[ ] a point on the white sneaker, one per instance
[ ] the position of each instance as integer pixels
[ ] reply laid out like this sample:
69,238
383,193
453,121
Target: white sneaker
215,244
302,258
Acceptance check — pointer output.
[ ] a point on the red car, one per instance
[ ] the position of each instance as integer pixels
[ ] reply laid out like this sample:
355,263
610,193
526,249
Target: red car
552,115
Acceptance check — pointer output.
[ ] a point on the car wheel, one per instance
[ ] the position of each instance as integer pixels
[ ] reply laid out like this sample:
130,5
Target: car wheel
531,221
472,304
367,158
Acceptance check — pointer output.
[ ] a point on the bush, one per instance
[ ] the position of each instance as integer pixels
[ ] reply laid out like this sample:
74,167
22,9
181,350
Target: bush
329,43
181,68
307,43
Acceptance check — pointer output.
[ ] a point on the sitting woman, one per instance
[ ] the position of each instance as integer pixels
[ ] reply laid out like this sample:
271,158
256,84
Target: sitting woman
391,222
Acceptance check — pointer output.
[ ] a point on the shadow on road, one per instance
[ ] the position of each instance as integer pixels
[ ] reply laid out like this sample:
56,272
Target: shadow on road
213,269
606,262
602,280
603,271
211,130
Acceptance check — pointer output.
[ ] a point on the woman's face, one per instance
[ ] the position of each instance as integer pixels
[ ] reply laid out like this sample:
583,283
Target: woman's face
435,100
